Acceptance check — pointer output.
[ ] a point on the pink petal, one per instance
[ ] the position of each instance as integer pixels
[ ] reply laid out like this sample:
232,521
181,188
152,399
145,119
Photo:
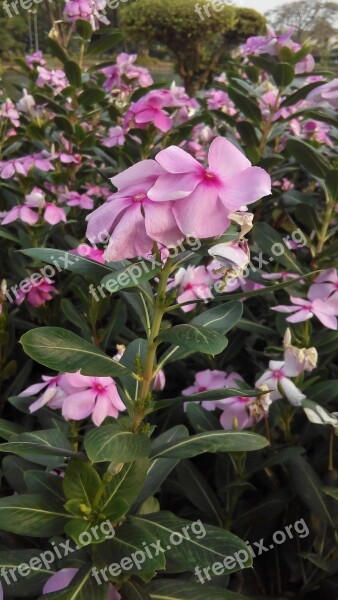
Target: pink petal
320,290
225,159
104,217
284,309
202,214
299,316
130,238
54,214
80,405
101,409
59,580
247,187
160,223
176,160
163,122
28,215
174,187
293,394
142,171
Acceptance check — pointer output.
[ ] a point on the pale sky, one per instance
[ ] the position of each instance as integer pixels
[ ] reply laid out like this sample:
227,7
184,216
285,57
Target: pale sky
261,5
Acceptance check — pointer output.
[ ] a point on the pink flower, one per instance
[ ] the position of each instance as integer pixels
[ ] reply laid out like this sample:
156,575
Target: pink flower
53,395
134,221
85,396
36,58
159,381
205,381
39,292
84,201
277,376
27,103
233,256
150,110
56,79
22,213
36,199
325,287
205,197
8,111
193,283
115,137
219,100
325,94
305,309
54,214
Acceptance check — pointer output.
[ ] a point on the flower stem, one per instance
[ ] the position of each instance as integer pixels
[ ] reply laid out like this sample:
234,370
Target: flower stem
148,373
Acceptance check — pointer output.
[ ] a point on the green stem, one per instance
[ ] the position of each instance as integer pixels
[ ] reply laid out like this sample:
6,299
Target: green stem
148,373
322,235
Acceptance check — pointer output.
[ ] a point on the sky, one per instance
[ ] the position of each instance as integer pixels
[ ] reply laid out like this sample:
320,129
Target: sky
261,5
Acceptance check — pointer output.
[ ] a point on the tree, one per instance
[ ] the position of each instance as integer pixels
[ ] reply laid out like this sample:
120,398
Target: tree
197,34
310,18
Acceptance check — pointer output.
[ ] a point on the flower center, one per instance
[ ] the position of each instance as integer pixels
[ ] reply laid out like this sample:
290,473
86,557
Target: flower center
99,387
210,176
139,197
278,374
202,389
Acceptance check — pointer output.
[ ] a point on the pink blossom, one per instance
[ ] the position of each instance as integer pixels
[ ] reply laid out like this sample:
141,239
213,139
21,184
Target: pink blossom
26,104
318,131
8,111
326,94
36,198
325,286
272,44
54,214
21,213
205,381
233,256
159,381
55,78
62,579
150,110
22,165
193,283
35,58
219,100
39,293
276,378
205,196
115,137
84,201
125,67
52,396
305,309
95,396
132,218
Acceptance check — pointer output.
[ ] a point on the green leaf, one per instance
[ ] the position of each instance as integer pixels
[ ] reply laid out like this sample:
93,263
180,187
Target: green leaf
221,318
160,468
125,485
201,419
247,105
266,238
188,544
91,96
133,591
81,482
7,429
107,443
64,124
83,587
85,532
212,441
283,74
57,50
130,276
330,491
68,261
62,350
34,579
84,29
104,44
40,446
46,484
170,589
196,488
199,339
73,73
308,157
129,539
300,94
309,488
32,515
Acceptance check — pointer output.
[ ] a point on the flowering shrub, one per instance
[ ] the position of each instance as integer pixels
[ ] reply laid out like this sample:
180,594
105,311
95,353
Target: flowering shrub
171,263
